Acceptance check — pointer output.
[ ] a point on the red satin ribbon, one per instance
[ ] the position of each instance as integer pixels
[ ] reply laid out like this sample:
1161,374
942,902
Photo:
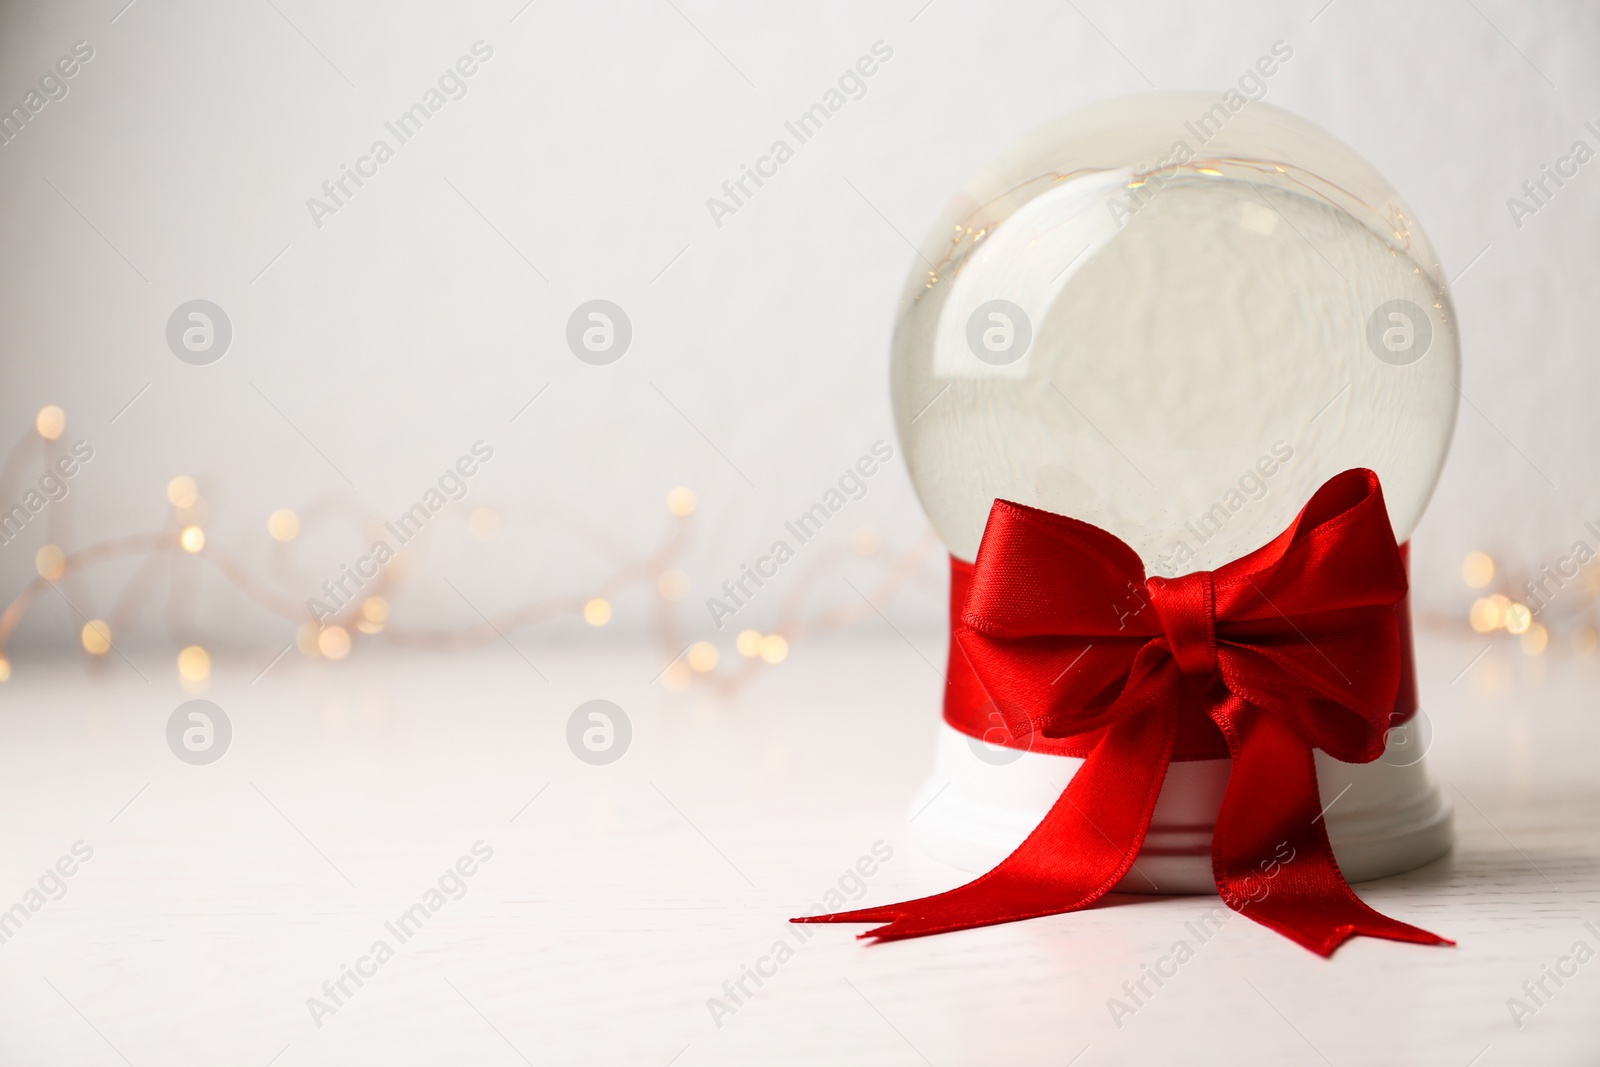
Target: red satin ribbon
1301,644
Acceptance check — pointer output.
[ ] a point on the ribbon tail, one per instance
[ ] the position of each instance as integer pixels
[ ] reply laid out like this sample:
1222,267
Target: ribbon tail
1270,852
1080,849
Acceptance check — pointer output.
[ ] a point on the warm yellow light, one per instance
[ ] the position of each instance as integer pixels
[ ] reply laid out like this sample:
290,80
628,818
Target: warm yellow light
676,677
484,523
681,501
1518,618
374,613
702,656
1586,640
1535,639
5,669
50,422
334,642
749,643
774,649
305,639
182,492
283,525
1213,171
597,612
1488,613
866,541
50,562
673,585
193,539
1477,569
96,637
194,664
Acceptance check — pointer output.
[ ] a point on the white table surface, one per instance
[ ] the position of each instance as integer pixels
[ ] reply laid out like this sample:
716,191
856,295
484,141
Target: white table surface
619,901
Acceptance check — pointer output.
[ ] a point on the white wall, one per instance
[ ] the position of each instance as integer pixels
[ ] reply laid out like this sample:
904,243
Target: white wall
405,327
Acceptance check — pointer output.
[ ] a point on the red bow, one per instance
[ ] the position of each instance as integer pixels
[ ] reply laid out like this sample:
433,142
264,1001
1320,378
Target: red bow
1296,646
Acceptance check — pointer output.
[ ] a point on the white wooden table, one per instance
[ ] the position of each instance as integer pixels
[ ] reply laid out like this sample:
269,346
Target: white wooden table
219,898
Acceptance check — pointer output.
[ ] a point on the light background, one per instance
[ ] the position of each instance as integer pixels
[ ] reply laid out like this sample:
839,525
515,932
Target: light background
416,320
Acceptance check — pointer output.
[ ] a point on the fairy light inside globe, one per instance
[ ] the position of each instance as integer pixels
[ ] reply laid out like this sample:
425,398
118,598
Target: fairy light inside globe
1173,321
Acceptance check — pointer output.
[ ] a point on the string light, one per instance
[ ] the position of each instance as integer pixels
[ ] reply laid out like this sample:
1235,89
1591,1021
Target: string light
1535,639
182,492
1498,611
51,422
1491,612
283,525
597,612
194,668
1487,614
50,562
681,501
96,637
330,638
702,656
774,649
374,613
484,523
334,642
1477,570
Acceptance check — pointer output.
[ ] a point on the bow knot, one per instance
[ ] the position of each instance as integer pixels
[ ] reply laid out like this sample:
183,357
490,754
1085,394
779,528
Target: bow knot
1187,608
1297,645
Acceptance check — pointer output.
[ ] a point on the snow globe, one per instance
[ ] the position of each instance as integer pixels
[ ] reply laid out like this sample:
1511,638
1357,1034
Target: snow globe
1174,319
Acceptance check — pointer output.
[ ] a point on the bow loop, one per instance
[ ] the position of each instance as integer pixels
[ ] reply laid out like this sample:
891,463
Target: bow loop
1059,665
1339,552
1027,556
1335,674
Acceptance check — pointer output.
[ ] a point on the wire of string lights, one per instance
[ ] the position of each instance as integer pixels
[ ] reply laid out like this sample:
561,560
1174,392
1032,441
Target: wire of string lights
375,616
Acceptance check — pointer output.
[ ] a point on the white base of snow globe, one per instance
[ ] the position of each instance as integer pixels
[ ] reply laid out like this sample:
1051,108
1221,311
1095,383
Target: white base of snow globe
1385,818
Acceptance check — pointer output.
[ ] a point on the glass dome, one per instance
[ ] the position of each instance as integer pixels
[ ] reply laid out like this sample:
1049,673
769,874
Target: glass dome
1174,321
